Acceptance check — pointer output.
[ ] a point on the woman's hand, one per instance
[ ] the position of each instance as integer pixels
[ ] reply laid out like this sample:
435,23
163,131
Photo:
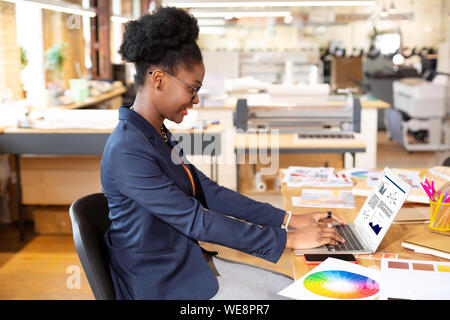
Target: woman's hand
299,221
312,236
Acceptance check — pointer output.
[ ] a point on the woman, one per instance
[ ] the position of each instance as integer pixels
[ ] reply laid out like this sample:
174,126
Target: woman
160,208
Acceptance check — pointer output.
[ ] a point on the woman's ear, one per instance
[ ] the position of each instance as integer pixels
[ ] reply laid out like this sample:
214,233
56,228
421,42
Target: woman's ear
156,78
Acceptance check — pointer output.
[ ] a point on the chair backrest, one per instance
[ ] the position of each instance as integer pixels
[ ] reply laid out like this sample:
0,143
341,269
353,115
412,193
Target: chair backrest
89,216
446,162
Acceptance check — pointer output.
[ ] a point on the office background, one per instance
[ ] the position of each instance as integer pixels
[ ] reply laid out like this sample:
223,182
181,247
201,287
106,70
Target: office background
62,80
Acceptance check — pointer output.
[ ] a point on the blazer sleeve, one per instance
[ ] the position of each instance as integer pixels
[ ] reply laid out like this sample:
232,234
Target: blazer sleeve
237,205
139,177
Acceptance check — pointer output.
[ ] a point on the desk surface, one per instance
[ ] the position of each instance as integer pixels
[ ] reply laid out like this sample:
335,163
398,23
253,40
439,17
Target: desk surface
80,141
214,128
288,141
390,244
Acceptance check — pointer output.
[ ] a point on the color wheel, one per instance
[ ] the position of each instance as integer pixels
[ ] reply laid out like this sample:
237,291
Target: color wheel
340,285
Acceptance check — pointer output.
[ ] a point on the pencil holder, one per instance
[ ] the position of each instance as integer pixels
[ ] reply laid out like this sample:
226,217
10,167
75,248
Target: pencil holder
439,216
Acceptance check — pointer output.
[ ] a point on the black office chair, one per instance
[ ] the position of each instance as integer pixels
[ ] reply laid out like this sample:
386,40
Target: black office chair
89,216
446,162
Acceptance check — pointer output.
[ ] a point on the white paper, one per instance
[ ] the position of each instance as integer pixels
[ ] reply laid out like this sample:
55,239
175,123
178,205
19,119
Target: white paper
320,198
314,177
356,282
77,119
413,282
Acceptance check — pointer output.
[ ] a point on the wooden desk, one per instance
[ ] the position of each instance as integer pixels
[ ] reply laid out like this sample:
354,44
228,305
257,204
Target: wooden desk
390,244
19,141
286,143
88,141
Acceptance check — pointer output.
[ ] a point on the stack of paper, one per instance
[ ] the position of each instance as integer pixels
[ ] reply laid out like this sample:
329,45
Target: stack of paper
314,177
77,119
433,242
441,171
319,198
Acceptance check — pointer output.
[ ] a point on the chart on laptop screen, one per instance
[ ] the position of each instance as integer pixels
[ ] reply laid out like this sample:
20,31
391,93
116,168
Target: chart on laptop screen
381,208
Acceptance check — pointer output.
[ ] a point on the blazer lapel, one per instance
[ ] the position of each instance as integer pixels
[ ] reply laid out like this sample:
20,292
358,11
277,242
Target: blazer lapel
172,166
176,171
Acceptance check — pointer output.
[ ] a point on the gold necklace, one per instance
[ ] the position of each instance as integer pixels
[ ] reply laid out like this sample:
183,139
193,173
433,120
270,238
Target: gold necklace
163,133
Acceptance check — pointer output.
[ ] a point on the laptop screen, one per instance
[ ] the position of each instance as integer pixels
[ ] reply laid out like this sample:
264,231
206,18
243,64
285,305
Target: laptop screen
381,208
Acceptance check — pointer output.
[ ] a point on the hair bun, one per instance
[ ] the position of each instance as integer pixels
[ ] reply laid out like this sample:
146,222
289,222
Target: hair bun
149,38
130,49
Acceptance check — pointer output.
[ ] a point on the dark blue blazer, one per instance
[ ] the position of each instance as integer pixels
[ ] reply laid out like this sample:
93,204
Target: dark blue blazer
156,222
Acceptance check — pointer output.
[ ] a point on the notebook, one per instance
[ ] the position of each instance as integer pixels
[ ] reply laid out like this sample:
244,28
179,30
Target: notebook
374,219
432,242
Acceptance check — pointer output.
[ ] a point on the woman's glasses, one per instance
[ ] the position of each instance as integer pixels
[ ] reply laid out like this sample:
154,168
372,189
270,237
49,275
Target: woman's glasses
193,90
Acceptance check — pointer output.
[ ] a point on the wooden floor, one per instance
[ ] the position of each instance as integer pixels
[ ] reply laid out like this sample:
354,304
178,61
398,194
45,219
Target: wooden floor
37,268
47,267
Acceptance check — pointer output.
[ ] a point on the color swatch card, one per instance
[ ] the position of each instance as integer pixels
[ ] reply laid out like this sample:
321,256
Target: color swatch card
335,279
355,173
414,279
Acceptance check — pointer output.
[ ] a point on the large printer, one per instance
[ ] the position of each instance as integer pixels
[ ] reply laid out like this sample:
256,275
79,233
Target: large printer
419,120
301,109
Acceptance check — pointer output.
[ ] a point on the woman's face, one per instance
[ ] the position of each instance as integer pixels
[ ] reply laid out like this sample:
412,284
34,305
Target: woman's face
179,92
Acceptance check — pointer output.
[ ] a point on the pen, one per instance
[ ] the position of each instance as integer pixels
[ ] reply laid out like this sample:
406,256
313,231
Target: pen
438,207
446,198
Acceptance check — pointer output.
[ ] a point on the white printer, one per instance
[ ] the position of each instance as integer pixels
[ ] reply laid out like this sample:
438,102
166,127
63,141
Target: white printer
425,103
420,98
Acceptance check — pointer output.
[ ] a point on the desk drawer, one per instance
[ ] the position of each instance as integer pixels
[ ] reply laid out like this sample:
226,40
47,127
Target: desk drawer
58,180
51,220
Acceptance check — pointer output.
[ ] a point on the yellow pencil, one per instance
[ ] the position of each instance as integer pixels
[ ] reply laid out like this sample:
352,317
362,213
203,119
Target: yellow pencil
443,217
438,205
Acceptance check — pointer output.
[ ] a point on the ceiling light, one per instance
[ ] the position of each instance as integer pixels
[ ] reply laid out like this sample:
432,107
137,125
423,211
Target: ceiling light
247,4
211,22
59,6
122,19
212,30
239,14
384,13
392,8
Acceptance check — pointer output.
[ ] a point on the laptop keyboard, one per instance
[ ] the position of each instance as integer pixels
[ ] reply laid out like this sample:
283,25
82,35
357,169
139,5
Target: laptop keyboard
351,241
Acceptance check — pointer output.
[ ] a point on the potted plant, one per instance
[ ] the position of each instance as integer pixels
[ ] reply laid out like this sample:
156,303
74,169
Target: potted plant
23,65
54,59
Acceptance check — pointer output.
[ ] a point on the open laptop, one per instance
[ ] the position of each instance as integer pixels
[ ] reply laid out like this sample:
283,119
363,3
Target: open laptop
364,235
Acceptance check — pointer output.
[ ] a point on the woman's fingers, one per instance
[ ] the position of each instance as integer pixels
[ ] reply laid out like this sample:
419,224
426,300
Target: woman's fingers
331,233
338,219
325,216
312,236
329,241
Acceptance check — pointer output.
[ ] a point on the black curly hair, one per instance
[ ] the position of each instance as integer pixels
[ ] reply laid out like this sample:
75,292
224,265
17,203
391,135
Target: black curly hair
165,38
